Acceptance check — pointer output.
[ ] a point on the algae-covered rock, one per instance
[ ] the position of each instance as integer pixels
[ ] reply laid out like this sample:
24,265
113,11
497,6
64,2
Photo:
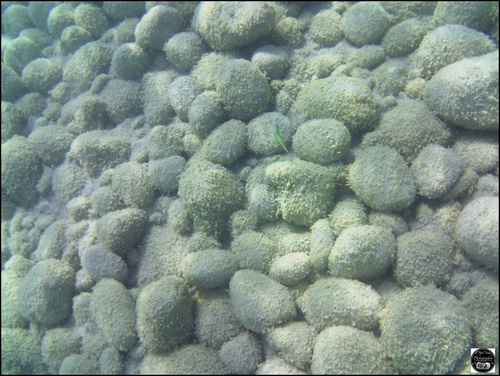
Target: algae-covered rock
244,89
435,170
346,350
226,26
157,26
416,327
133,184
466,93
114,312
448,44
209,268
164,314
362,252
260,302
321,141
21,169
339,301
378,170
225,144
476,231
97,151
365,23
45,293
305,190
423,258
346,99
211,194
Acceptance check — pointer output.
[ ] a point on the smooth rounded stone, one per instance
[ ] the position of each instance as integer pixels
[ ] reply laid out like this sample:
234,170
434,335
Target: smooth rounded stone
57,344
254,250
391,77
339,301
156,100
121,11
435,170
60,17
51,143
123,100
215,321
77,364
86,64
226,26
262,200
349,351
13,120
377,170
423,258
210,268
479,15
52,242
73,37
465,93
391,221
476,231
15,19
92,19
68,181
363,252
260,302
481,301
406,119
478,151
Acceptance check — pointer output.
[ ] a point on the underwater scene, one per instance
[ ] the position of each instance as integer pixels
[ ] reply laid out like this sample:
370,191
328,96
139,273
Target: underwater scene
250,187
